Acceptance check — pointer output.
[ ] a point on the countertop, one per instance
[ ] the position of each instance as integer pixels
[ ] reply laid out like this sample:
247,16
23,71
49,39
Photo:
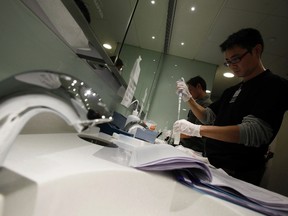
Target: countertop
62,174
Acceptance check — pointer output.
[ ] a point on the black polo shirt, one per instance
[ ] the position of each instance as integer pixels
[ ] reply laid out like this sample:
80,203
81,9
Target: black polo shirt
265,97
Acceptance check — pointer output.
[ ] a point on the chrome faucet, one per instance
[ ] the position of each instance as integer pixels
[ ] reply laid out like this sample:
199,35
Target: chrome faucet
24,95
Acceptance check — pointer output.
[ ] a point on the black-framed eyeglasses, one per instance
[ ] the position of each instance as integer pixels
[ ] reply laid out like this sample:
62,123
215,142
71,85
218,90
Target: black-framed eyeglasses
235,60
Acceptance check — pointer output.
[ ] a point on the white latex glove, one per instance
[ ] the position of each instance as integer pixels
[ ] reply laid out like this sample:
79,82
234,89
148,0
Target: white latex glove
182,87
185,127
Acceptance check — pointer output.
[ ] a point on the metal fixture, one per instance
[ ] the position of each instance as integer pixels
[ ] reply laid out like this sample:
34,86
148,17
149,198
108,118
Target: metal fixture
24,95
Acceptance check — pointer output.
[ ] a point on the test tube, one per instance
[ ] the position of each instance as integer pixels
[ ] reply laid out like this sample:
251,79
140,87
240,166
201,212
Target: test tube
176,137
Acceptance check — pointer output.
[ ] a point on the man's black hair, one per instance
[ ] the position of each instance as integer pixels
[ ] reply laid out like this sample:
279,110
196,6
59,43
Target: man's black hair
197,80
246,38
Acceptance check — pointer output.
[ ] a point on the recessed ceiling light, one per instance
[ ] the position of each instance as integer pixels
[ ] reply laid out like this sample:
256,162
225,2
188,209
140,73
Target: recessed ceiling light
153,37
152,2
228,75
193,8
182,43
107,46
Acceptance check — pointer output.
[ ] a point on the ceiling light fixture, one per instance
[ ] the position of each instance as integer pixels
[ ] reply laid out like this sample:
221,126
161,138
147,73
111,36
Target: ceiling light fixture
208,91
228,74
152,2
182,43
107,46
153,37
193,8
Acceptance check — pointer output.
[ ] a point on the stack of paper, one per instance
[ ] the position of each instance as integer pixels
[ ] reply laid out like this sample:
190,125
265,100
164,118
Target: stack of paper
165,157
198,175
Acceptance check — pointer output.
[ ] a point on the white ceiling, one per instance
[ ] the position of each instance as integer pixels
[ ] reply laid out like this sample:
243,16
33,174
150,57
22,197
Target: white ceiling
205,29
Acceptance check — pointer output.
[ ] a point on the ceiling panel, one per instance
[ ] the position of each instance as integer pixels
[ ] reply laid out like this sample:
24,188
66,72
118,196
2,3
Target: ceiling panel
149,20
275,39
150,16
255,6
192,28
210,52
281,8
231,20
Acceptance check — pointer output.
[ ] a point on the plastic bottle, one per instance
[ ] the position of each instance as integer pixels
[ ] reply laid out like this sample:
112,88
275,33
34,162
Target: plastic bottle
133,117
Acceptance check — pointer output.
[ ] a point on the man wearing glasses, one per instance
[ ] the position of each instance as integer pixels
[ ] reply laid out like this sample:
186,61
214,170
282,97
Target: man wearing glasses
240,126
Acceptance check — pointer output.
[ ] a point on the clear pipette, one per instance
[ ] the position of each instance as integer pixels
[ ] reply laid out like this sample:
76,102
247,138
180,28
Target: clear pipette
179,105
177,135
179,101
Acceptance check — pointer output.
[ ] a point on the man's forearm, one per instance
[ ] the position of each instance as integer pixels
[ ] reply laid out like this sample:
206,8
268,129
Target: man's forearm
222,133
197,109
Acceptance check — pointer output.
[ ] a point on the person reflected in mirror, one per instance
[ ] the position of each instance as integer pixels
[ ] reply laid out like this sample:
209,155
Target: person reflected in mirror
118,63
197,88
247,117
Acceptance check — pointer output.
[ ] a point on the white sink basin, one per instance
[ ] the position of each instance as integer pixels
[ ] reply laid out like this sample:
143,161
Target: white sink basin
62,174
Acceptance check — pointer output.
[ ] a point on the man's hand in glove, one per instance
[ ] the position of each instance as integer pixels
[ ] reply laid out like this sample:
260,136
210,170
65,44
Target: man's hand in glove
182,87
185,127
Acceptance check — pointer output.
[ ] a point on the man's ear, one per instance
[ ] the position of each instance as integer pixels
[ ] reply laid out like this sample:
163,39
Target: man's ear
258,49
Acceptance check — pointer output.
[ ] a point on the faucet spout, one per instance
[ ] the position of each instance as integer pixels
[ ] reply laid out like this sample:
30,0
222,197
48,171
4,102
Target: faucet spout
25,95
